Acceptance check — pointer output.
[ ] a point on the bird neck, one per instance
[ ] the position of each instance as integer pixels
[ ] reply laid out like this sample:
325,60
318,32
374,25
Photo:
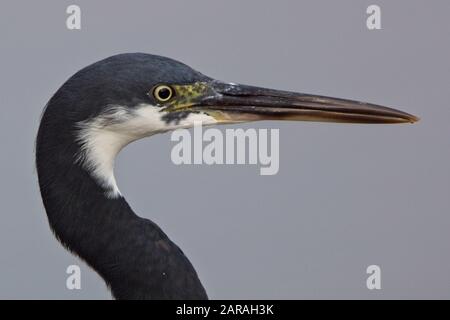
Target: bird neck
135,258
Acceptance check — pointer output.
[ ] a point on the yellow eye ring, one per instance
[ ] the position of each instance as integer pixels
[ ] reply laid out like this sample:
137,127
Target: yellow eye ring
163,93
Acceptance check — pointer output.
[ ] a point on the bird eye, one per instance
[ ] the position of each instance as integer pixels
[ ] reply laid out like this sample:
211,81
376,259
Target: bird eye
163,93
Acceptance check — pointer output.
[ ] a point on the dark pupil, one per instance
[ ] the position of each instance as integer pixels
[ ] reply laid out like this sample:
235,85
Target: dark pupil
164,93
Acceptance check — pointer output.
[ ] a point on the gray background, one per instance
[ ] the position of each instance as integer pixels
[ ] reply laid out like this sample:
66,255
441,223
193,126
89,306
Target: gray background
346,196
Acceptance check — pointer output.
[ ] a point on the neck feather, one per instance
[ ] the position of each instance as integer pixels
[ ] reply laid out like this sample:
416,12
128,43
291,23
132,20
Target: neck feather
135,258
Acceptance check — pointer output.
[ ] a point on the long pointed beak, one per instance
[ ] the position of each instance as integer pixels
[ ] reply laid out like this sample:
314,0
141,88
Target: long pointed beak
240,103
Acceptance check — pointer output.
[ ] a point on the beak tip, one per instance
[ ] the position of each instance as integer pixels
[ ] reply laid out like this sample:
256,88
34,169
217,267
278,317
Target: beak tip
413,119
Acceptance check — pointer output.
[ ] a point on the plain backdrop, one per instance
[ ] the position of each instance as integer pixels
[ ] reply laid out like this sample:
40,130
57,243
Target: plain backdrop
346,196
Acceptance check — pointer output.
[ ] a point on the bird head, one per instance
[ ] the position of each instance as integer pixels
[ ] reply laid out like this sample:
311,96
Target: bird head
125,97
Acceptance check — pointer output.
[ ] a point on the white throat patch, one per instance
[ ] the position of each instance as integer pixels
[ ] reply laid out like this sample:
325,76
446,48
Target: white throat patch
103,137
